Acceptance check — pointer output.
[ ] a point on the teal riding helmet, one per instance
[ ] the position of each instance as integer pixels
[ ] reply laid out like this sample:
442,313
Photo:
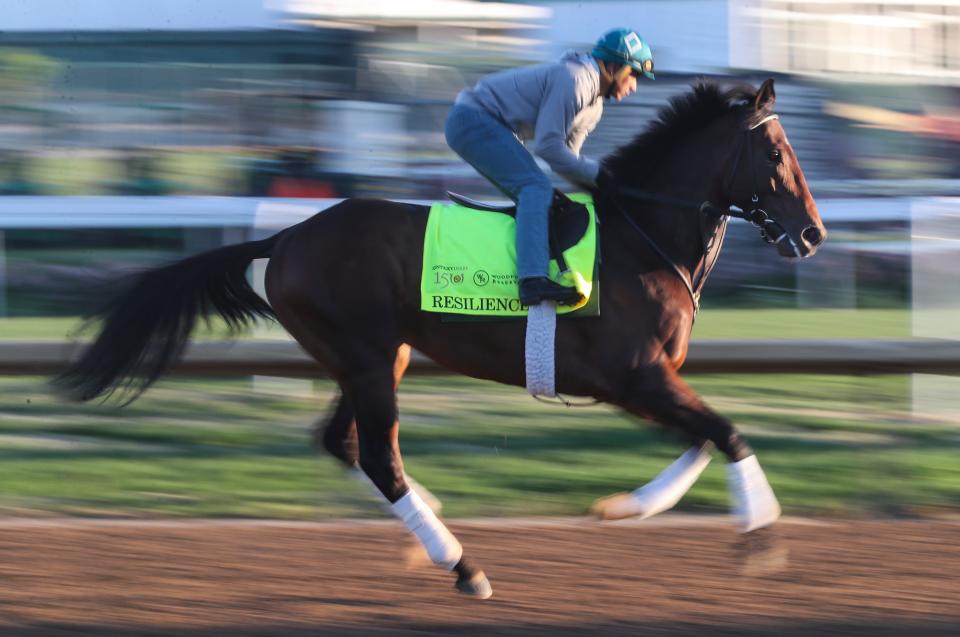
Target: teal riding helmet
624,46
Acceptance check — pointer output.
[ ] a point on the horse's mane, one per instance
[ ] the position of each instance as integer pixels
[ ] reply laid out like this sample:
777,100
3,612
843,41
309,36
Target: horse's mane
686,114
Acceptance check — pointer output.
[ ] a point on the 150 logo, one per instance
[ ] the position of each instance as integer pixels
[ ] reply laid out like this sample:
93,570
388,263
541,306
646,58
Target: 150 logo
443,279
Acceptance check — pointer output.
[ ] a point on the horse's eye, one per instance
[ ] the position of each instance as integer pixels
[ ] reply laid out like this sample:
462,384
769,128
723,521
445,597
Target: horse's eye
774,156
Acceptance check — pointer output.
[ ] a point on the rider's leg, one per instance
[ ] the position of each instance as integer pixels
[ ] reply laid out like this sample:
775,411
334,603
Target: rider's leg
497,154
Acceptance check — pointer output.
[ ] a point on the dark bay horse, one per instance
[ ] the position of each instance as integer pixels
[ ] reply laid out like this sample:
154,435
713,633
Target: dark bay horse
345,284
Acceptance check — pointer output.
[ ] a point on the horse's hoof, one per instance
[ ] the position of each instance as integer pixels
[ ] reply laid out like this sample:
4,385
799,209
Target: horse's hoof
615,507
477,586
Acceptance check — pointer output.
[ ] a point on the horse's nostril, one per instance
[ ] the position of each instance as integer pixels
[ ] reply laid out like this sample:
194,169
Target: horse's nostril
812,235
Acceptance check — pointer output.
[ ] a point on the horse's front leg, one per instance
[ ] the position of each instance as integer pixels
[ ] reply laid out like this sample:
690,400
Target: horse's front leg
658,392
661,493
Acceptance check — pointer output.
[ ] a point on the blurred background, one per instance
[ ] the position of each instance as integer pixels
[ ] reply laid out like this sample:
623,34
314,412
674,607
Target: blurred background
129,137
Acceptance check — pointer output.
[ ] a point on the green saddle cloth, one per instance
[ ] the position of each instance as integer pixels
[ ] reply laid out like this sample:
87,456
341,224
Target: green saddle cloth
470,263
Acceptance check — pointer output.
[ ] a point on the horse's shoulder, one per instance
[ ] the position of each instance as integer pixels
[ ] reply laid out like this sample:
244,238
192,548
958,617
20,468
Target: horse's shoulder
670,318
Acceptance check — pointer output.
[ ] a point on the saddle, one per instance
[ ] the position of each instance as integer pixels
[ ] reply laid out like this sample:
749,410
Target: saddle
568,220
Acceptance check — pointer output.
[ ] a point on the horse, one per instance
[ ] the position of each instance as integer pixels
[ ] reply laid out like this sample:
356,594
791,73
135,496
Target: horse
345,284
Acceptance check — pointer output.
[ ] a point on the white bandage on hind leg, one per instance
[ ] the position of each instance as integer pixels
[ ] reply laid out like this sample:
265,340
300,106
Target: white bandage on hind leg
754,504
431,500
441,546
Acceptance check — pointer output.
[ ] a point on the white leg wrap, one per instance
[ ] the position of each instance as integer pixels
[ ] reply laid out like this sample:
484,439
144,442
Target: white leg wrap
754,504
441,546
431,500
664,491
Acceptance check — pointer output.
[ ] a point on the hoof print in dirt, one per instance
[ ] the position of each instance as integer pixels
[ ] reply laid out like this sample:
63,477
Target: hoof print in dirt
761,552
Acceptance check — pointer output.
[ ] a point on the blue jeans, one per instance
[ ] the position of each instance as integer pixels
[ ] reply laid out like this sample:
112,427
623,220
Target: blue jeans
491,147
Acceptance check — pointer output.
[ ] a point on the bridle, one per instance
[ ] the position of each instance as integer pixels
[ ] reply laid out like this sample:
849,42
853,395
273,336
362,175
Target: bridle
770,230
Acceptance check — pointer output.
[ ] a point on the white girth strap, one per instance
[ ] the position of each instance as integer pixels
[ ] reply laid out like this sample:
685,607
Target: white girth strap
539,349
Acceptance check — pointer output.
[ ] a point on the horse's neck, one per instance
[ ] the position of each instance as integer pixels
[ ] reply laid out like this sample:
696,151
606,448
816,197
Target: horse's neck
690,174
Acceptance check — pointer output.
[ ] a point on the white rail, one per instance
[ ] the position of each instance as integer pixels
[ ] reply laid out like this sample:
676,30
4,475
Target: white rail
285,358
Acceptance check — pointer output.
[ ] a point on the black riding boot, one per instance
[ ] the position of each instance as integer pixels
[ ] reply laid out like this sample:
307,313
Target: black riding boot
534,290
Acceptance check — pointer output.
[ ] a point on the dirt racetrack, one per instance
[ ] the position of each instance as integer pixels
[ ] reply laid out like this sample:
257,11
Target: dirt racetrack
674,576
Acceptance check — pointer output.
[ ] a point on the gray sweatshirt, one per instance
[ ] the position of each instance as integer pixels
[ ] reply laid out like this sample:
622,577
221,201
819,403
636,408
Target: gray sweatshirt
555,104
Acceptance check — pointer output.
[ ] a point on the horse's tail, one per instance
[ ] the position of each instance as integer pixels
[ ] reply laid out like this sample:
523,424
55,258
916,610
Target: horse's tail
145,326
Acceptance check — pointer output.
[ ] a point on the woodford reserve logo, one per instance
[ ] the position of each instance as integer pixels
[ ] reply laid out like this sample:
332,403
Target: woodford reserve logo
481,278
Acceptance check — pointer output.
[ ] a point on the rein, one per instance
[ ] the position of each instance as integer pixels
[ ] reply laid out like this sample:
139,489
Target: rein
770,230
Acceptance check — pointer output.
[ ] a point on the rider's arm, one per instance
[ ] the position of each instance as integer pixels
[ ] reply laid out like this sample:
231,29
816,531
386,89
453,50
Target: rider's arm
559,107
577,137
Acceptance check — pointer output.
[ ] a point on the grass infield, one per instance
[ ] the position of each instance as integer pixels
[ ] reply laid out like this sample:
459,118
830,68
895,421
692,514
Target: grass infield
831,445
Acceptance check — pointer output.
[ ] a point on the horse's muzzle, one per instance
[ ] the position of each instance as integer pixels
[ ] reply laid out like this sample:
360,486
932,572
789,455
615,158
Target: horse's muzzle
812,237
810,240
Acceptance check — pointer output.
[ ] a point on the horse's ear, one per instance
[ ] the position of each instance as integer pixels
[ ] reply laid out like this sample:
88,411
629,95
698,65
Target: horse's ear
765,96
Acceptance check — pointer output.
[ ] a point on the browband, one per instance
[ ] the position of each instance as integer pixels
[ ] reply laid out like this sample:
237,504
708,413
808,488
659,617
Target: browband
764,121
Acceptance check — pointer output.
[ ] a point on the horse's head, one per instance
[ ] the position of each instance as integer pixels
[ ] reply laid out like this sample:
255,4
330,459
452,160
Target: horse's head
767,182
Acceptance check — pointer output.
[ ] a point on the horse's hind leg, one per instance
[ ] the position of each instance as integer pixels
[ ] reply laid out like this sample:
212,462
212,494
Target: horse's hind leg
372,394
660,393
337,434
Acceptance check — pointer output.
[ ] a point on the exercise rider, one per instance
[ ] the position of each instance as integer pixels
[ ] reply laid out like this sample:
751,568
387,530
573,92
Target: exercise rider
554,106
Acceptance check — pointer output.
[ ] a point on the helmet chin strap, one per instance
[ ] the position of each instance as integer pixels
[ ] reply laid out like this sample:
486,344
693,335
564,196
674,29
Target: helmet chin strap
604,73
606,77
